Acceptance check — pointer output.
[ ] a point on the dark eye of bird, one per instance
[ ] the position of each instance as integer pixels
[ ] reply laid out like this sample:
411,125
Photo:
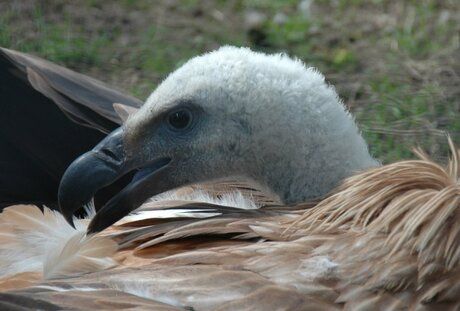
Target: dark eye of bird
180,119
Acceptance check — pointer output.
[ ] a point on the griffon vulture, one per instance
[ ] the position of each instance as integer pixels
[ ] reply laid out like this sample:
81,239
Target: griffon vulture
380,238
232,113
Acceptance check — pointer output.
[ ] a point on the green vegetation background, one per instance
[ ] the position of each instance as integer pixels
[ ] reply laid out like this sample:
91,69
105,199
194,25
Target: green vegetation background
395,63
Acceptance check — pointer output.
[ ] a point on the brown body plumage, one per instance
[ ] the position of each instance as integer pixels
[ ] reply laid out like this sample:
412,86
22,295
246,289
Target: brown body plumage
386,239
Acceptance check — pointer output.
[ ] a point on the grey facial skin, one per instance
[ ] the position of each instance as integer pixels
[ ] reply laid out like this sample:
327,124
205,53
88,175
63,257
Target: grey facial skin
263,118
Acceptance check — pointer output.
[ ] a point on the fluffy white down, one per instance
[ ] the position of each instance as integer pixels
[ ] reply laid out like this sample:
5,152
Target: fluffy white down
32,241
233,199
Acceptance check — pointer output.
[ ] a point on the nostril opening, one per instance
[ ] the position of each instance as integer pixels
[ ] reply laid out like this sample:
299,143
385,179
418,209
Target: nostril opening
109,153
109,156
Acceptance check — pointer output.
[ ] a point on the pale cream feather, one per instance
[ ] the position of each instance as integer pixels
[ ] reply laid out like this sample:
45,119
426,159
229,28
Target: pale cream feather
36,241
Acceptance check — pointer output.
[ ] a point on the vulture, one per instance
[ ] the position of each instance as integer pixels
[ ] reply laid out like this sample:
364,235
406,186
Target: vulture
251,189
49,116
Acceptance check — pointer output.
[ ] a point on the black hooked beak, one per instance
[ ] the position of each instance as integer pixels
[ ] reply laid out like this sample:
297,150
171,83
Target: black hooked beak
100,167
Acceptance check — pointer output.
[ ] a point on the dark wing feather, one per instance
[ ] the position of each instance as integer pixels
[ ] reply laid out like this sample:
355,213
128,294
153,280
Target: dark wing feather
49,115
85,100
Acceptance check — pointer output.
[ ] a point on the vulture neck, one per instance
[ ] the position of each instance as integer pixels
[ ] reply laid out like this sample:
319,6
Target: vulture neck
311,162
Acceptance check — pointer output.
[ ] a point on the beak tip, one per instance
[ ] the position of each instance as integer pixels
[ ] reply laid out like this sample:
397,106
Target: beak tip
90,230
93,227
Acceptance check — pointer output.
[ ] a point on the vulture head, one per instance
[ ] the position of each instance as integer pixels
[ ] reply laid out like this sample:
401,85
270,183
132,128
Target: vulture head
229,114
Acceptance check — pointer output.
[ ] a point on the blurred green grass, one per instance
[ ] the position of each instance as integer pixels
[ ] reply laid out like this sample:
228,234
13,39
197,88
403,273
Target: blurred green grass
395,63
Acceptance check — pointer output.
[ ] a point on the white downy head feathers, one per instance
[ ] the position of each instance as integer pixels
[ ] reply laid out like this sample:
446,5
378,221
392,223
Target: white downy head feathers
267,118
